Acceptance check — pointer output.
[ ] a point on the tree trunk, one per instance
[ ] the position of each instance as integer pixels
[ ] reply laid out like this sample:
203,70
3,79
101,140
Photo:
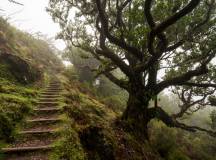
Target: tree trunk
136,115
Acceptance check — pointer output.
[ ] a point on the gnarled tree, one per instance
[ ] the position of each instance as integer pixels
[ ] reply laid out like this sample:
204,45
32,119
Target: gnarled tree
145,39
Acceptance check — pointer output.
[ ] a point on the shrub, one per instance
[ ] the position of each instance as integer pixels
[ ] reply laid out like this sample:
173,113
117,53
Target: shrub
177,155
10,115
6,127
164,140
72,96
69,148
13,108
71,73
114,102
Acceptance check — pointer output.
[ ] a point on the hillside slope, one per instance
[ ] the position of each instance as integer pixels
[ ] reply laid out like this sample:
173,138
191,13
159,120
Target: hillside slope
34,50
93,130
25,62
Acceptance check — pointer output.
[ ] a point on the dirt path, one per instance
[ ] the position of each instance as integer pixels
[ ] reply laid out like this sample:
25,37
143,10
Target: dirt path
35,141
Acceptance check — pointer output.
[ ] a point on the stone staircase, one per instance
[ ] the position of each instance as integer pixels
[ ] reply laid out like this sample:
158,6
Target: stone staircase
35,140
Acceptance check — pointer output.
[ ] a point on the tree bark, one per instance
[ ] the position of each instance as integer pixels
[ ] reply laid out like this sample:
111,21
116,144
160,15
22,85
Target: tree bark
136,115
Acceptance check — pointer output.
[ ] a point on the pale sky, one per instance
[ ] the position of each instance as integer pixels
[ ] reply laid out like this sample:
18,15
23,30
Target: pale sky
32,17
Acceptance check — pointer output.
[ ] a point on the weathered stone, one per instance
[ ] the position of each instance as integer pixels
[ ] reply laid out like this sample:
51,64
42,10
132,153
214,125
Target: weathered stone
21,69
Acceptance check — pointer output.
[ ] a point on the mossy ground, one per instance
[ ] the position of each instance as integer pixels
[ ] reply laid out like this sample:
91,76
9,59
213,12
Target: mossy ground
16,101
92,131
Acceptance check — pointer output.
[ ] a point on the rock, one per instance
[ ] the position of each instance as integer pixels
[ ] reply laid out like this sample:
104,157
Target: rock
21,69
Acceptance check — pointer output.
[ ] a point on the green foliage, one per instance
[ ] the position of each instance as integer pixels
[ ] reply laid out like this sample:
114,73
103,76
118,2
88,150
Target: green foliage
177,155
12,110
177,144
71,73
86,110
94,123
82,62
107,92
69,147
163,143
114,103
72,96
15,103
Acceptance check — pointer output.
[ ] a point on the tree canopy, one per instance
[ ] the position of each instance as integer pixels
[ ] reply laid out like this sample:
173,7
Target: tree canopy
156,44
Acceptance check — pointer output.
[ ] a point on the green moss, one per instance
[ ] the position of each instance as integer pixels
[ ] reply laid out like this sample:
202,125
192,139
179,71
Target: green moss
114,103
15,102
72,96
97,132
177,155
69,147
12,110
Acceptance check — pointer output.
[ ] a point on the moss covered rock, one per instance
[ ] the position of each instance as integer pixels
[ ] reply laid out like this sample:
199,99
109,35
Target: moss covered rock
19,68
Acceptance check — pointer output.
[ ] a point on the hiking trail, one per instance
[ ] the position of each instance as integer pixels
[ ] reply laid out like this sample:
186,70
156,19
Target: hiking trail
40,129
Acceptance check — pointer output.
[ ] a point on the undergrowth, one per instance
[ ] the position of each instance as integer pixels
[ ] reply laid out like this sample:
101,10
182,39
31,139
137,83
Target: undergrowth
15,102
69,147
93,133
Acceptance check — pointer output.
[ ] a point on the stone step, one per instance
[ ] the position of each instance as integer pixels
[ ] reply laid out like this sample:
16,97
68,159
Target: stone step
47,109
49,93
55,85
44,120
48,99
35,132
41,122
56,90
52,90
48,112
41,125
47,102
26,149
49,96
46,105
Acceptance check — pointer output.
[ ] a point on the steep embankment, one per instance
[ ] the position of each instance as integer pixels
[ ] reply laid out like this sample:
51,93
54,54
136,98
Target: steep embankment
24,63
40,129
37,52
93,131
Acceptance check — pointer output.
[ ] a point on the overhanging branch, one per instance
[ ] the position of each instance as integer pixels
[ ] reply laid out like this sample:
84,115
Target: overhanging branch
182,78
202,85
122,65
121,83
173,19
160,114
121,43
15,2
